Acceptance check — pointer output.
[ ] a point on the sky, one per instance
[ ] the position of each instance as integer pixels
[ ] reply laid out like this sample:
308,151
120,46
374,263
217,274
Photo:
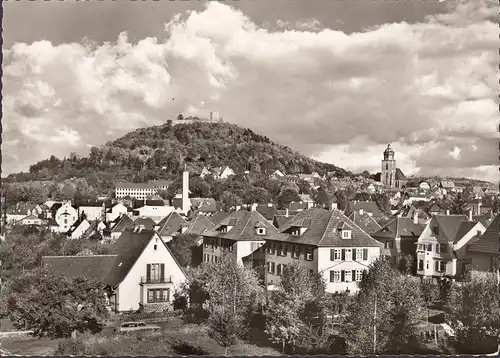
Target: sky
337,80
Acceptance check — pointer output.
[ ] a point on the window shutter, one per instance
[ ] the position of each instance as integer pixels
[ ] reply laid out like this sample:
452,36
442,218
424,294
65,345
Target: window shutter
162,272
353,275
365,254
436,265
342,276
332,254
343,255
354,254
148,272
332,276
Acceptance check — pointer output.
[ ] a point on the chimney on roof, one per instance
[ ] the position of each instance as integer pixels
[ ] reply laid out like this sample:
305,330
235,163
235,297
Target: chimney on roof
286,212
470,214
269,205
447,211
415,217
361,211
333,206
253,207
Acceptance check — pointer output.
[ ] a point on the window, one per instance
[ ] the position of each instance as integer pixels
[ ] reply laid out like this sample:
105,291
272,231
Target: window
359,275
359,254
440,266
335,255
348,276
65,221
282,249
427,265
154,272
420,264
334,276
429,247
205,258
309,254
158,295
296,232
348,255
386,166
206,243
279,269
271,267
296,252
155,247
230,246
420,247
261,231
346,234
442,248
272,248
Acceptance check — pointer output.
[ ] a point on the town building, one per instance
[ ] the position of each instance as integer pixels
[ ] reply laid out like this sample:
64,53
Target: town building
391,176
116,210
218,172
155,209
171,225
140,191
65,216
365,221
240,235
324,241
77,230
92,210
116,227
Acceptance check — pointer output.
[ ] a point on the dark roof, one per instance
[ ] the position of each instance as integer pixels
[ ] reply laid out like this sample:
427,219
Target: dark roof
206,205
400,175
124,222
55,207
95,266
217,217
148,223
198,225
368,206
489,242
449,225
128,247
280,220
75,225
365,221
322,230
267,211
297,206
92,203
140,203
243,229
170,224
400,226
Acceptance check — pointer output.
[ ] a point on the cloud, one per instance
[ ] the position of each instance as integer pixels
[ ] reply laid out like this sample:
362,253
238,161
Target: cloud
426,87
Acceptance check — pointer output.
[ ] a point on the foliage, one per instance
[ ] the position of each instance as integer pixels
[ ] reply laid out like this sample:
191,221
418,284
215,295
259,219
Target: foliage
342,200
474,314
54,306
383,202
458,204
182,248
385,314
286,197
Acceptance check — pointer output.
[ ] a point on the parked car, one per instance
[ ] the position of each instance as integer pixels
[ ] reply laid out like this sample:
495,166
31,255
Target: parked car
136,326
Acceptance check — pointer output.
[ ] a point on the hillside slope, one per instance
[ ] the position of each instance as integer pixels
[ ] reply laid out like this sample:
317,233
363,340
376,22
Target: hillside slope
161,152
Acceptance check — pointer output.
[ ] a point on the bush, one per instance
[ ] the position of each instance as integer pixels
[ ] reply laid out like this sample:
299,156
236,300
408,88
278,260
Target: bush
68,347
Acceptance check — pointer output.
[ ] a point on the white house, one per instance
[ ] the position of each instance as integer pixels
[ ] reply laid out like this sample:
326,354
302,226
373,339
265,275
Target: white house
324,241
66,216
92,211
145,274
115,211
77,230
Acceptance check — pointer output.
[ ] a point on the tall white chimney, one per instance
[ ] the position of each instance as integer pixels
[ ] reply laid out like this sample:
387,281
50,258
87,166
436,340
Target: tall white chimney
415,218
185,191
470,214
333,206
286,212
361,211
447,212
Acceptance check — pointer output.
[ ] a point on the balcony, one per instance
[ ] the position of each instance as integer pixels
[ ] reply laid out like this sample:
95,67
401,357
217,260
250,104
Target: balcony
155,280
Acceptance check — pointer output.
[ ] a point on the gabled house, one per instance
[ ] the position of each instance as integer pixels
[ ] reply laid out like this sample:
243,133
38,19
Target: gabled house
268,211
146,223
368,207
482,252
116,210
65,216
240,234
280,220
171,225
447,184
399,237
203,206
198,225
364,221
95,230
218,172
299,206
152,208
442,246
77,230
276,174
31,220
145,274
93,210
324,241
217,217
117,227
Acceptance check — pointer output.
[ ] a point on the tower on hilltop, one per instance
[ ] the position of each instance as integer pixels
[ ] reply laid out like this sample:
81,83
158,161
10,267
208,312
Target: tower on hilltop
391,175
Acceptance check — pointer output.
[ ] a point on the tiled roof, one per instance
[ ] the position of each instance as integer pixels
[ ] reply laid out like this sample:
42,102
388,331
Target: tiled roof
365,221
489,242
484,219
401,227
128,247
94,266
267,211
294,206
76,225
306,198
323,230
280,220
217,217
400,175
198,225
148,223
464,228
134,186
141,203
160,182
124,222
172,223
449,225
243,227
368,206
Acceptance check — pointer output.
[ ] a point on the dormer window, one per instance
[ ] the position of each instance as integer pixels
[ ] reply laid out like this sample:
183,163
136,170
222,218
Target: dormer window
296,232
261,231
346,234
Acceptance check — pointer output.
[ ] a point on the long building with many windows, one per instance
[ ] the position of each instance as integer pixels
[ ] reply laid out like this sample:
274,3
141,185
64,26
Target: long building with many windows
140,190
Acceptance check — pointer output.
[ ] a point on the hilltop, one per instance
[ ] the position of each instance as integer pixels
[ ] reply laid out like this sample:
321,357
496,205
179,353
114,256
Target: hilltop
161,152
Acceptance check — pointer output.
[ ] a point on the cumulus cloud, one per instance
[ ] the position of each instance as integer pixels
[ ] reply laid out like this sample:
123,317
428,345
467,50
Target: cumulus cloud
428,88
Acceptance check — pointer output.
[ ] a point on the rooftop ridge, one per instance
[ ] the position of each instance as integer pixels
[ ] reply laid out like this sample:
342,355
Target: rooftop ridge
59,256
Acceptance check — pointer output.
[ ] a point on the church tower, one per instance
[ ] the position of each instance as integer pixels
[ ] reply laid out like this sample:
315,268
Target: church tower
388,175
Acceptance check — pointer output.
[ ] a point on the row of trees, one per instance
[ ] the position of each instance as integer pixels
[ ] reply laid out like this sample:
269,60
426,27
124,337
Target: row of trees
386,316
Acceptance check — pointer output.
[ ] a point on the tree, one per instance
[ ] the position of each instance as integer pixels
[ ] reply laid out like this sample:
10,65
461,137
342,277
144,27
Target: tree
286,197
474,314
54,306
230,200
257,195
341,199
322,197
385,313
182,248
458,205
383,202
180,117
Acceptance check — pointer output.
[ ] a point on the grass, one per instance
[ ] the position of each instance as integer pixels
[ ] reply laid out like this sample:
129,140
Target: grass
29,345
